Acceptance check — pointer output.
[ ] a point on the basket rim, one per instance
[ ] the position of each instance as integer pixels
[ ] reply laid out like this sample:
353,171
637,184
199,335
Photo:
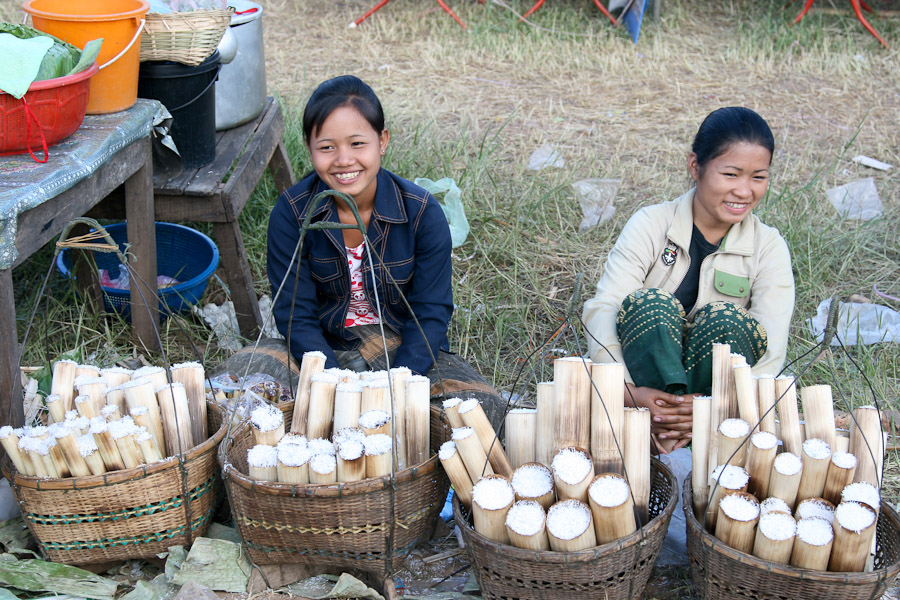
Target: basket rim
591,554
56,82
712,543
115,477
320,490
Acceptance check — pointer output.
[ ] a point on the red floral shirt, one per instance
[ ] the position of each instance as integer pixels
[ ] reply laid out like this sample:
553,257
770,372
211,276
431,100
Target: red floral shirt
360,311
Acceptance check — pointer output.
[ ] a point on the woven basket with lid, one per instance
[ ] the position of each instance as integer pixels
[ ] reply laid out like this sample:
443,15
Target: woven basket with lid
185,37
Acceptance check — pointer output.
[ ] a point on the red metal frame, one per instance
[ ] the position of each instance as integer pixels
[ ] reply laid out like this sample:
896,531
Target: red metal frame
540,3
441,3
858,7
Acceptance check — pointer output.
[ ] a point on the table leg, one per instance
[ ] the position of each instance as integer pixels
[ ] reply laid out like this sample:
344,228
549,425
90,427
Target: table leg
10,384
280,167
240,280
141,230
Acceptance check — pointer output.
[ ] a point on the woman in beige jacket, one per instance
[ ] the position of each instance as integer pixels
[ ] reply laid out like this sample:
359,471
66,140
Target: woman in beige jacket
694,271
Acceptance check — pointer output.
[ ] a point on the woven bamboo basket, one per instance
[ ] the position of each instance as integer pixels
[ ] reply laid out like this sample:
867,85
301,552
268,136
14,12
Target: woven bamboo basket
360,525
615,571
722,573
132,513
185,37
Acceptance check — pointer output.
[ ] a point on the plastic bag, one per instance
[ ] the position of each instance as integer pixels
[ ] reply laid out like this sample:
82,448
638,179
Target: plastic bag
452,205
857,200
544,157
858,323
596,199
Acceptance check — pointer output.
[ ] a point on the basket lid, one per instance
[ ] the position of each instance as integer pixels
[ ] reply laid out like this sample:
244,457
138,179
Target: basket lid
245,11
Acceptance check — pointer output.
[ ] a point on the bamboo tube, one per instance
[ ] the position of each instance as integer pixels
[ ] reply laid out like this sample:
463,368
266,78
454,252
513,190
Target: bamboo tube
55,408
785,479
51,467
176,419
636,433
116,395
854,531
842,440
773,504
87,447
192,375
573,472
267,425
418,419
41,432
321,446
544,440
110,412
9,439
124,435
57,457
320,412
841,469
451,410
346,405
612,507
293,463
526,526
456,471
106,445
378,455
732,449
815,508
760,457
745,391
86,371
84,404
472,453
29,446
570,527
724,481
398,376
351,461
115,376
765,399
312,363
734,360
141,416
607,416
492,498
375,396
534,481
699,455
140,392
63,382
864,493
374,376
473,416
572,402
775,537
721,371
816,457
736,521
262,461
520,428
818,411
343,375
82,424
373,422
812,546
149,451
867,444
343,435
156,375
788,414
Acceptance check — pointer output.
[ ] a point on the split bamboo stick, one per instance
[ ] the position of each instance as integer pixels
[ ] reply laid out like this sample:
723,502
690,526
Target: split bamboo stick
176,418
841,469
841,440
346,405
544,435
55,408
699,454
140,392
854,531
775,537
534,481
9,439
636,433
375,395
192,375
320,413
69,445
526,526
816,458
473,416
732,449
760,458
472,453
812,546
373,422
520,428
86,371
267,425
418,419
745,391
84,404
765,398
451,410
607,416
116,396
572,402
58,458
570,526
788,414
721,371
784,482
573,472
456,471
612,507
818,412
87,447
63,382
141,416
106,445
262,462
312,363
492,498
379,461
398,376
123,434
351,461
736,521
115,376
724,481
867,444
149,450
293,463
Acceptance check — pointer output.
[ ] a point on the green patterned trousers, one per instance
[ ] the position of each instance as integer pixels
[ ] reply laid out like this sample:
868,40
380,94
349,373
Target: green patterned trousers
666,351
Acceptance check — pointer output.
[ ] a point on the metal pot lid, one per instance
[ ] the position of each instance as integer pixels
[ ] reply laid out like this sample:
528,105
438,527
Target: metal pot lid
245,11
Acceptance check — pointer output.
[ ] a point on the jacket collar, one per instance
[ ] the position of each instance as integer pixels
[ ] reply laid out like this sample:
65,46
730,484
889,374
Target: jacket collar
738,240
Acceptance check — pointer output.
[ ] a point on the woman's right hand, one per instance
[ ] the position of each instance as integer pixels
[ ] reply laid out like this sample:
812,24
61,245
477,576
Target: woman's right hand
671,416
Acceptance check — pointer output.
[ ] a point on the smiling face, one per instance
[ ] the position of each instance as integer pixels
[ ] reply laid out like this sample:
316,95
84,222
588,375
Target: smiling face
346,154
729,187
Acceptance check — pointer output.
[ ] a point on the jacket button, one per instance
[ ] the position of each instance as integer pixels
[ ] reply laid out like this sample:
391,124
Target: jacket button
742,290
721,284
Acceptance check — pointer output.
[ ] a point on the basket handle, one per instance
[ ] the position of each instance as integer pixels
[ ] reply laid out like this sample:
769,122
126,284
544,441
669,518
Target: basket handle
137,34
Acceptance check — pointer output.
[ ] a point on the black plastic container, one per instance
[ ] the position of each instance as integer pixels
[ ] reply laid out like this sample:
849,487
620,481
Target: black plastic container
189,94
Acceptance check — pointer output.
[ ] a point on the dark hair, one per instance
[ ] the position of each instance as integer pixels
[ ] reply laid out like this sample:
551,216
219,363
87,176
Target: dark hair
726,126
346,90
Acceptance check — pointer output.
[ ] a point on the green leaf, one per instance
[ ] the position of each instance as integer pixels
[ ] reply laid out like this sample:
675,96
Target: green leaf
42,576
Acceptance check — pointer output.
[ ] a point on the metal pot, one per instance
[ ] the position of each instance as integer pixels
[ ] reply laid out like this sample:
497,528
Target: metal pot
241,88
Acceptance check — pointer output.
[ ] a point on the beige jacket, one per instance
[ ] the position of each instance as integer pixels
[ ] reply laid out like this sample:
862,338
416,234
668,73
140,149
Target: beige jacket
751,268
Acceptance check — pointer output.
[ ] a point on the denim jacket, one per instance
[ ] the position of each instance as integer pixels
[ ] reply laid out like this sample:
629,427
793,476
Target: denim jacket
408,230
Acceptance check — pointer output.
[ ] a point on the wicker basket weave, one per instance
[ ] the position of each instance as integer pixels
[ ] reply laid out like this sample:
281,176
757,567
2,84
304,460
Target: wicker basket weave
185,37
615,571
132,513
723,573
344,525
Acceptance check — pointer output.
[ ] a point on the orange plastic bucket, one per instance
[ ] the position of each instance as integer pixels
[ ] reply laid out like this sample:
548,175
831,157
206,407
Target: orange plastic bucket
119,23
